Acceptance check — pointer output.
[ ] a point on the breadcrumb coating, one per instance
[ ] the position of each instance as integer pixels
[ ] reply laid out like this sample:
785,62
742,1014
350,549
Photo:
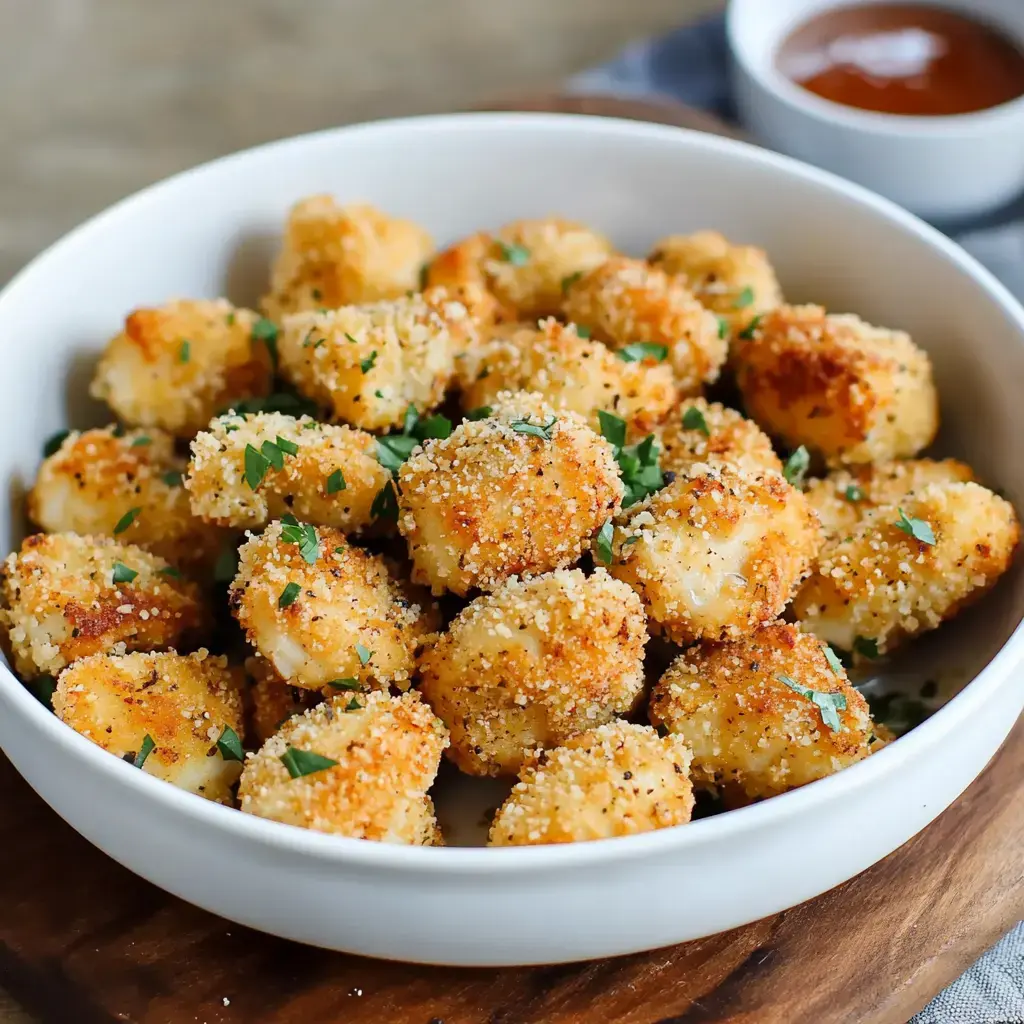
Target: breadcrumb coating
98,476
571,372
369,363
881,584
752,734
65,597
735,281
386,752
525,265
852,392
336,255
181,702
341,617
178,365
845,496
330,479
717,553
615,780
533,663
715,434
272,701
519,492
625,301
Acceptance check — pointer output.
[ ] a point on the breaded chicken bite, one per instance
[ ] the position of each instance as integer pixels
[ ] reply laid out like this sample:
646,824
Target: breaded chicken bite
247,470
764,714
532,664
735,281
124,484
179,365
65,597
175,716
845,496
852,392
905,569
519,492
715,554
272,701
526,265
571,373
357,766
699,431
615,780
368,364
337,255
625,302
323,612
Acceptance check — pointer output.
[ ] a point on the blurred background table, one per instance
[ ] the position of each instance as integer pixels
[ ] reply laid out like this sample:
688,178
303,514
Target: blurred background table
99,98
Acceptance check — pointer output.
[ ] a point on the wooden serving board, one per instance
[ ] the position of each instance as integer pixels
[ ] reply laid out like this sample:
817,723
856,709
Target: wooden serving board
83,941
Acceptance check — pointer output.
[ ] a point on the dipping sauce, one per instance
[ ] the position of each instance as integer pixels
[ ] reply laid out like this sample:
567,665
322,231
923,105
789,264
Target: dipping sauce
904,59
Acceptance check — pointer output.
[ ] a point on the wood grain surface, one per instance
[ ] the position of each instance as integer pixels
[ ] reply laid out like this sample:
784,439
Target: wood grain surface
82,941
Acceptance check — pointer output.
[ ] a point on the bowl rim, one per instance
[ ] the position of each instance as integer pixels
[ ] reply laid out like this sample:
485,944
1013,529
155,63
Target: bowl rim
949,128
479,861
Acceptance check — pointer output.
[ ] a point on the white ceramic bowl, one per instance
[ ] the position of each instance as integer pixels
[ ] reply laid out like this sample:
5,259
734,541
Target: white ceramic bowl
943,168
208,231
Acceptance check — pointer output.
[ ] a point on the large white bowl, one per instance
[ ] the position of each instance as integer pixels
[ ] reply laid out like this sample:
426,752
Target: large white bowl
207,232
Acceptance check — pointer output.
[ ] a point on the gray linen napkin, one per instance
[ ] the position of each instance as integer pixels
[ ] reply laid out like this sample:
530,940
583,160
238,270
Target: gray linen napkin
691,64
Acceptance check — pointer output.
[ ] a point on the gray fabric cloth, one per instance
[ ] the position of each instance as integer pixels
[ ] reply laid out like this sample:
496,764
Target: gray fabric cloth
691,65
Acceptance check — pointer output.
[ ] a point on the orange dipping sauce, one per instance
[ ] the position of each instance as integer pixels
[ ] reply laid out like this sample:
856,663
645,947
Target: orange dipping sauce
904,58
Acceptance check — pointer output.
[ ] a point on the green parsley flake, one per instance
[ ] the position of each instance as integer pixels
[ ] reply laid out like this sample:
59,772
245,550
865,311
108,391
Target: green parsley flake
541,430
385,504
853,493
304,762
479,414
744,299
723,327
266,331
185,351
53,444
126,520
273,454
288,595
348,683
288,447
336,482
256,466
172,478
748,332
230,746
170,572
866,647
570,280
604,543
833,661
796,466
693,419
613,428
141,442
368,363
364,654
830,704
394,449
517,255
641,350
147,748
353,705
917,528
582,331
302,534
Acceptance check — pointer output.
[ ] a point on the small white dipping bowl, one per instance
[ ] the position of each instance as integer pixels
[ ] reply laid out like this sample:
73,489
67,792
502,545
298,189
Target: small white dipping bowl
942,168
209,231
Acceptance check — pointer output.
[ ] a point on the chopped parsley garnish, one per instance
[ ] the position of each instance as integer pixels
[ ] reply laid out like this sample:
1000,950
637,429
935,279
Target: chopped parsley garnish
853,493
308,342
43,689
830,704
364,654
226,567
288,447
230,746
302,534
723,327
172,478
641,350
394,449
288,595
368,363
141,442
266,331
424,276
230,319
517,255
385,504
897,711
604,543
349,338
281,401
541,430
833,660
336,482
866,647
479,414
638,463
748,332
147,748
570,280
353,705
744,299
273,454
796,466
169,571
52,445
582,331
256,466
693,419
185,351
348,683
304,762
126,520
917,528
